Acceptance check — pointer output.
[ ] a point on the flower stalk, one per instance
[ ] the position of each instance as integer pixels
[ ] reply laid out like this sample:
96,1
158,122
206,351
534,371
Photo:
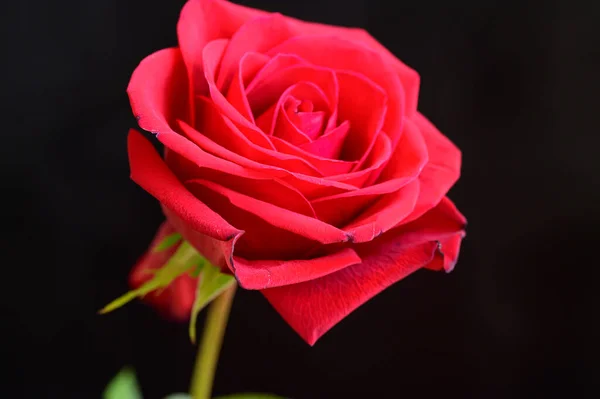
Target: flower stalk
210,345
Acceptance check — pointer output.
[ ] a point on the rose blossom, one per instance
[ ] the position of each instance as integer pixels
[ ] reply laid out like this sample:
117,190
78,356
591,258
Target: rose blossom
295,159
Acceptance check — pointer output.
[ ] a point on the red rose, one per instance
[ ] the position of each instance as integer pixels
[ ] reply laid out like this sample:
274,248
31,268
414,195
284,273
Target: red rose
295,158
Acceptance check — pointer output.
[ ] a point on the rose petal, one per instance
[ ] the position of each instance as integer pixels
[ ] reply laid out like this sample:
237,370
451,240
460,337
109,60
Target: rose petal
329,145
150,172
224,132
158,91
262,187
405,165
249,65
364,104
409,77
275,121
408,159
263,274
311,123
442,170
384,214
202,21
340,54
185,212
443,223
277,63
281,218
269,90
315,306
257,35
198,153
326,166
212,55
449,248
269,237
377,159
192,158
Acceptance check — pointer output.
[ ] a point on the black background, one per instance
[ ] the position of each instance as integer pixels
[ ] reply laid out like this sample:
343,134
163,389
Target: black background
514,84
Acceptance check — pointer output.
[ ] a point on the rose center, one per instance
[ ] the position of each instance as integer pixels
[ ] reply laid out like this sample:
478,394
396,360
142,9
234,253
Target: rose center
302,115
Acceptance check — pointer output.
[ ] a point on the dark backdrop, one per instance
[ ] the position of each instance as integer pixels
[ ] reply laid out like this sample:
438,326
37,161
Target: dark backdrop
514,84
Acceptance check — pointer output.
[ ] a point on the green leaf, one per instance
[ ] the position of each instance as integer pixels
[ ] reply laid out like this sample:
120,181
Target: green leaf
123,386
184,259
211,283
251,396
178,396
195,272
168,242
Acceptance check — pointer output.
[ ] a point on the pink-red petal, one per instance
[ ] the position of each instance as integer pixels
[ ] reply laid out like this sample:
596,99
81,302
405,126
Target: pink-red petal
263,274
202,21
330,144
443,223
384,214
211,55
150,172
340,54
280,218
158,91
264,186
249,65
364,104
326,166
441,171
222,130
256,35
313,307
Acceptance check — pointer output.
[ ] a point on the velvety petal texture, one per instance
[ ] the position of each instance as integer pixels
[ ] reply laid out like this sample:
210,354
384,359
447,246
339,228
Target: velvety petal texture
294,159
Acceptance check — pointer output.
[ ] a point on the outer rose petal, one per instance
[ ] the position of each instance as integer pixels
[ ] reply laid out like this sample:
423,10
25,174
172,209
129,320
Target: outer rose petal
176,300
445,224
264,274
313,307
409,77
149,171
158,91
202,21
442,170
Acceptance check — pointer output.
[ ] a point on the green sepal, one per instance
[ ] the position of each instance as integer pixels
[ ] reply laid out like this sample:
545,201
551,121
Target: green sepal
184,259
211,283
123,386
167,242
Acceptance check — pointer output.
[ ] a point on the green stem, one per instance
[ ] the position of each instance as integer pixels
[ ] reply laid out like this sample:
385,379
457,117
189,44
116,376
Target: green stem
210,346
